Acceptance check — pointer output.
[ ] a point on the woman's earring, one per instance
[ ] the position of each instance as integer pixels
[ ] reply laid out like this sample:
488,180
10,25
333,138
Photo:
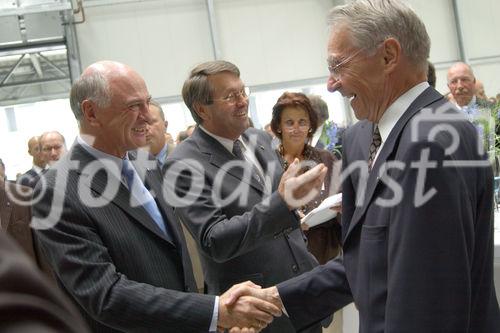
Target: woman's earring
279,131
310,130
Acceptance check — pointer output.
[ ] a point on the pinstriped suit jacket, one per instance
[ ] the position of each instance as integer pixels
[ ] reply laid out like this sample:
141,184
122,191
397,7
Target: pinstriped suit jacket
113,260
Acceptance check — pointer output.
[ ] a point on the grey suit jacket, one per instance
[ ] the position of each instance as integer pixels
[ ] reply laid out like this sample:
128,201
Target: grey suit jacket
411,268
257,238
113,259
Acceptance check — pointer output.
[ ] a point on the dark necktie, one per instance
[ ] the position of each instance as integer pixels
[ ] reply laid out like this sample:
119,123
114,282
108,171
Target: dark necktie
142,195
375,145
238,152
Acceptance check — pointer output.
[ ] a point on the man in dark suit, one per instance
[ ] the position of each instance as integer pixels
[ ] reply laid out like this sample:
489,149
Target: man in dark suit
30,177
156,139
28,303
116,248
231,190
417,194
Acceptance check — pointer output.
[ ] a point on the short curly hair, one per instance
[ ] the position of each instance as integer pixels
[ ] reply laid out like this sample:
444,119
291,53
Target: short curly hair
294,100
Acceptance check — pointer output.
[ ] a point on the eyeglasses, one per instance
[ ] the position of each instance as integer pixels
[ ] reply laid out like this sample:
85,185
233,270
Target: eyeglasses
334,69
303,125
234,97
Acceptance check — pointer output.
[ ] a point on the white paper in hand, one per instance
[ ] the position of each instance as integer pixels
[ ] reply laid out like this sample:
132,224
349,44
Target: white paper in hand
323,213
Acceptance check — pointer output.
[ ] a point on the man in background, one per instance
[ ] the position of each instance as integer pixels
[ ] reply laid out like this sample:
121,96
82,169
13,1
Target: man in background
30,177
462,85
155,136
53,146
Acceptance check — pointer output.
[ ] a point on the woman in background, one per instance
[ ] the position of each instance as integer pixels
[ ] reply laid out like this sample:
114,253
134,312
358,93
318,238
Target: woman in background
294,122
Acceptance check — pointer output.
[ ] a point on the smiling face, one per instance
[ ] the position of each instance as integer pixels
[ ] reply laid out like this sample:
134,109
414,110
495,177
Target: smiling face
361,78
294,126
225,118
121,125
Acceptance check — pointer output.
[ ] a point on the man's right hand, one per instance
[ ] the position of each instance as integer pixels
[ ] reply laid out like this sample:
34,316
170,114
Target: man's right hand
297,191
237,308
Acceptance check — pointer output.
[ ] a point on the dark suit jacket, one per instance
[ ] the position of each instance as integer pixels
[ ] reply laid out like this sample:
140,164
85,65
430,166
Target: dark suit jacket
113,259
28,303
411,269
29,178
256,240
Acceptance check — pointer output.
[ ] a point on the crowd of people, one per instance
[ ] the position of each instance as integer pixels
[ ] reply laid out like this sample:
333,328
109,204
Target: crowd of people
411,244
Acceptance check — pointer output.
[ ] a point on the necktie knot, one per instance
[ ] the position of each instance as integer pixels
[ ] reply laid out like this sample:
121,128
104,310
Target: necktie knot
375,145
237,151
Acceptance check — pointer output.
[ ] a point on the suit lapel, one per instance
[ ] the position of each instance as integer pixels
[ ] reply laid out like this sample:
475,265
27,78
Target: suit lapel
426,98
100,181
220,156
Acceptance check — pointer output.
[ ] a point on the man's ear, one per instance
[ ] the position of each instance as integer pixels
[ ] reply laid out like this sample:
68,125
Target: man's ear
166,125
89,111
392,53
202,111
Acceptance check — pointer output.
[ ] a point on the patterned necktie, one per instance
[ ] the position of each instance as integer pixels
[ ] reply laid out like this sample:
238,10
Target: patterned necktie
376,142
142,195
238,152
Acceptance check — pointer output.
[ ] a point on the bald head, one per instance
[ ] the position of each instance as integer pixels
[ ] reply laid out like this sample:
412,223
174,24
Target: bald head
36,152
53,146
111,103
479,87
461,83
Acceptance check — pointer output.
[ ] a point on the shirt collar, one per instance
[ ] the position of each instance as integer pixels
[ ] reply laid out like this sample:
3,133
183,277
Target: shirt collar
398,108
227,143
37,169
98,154
162,155
471,104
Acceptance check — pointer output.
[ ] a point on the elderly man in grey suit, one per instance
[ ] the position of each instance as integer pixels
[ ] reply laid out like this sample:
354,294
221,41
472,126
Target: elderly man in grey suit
231,190
417,195
107,229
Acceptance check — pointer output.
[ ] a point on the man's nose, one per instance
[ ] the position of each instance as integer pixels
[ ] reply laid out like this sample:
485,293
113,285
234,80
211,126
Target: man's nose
332,84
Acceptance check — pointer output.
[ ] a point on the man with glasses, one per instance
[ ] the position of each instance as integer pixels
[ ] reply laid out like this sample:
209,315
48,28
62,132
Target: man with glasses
231,192
53,146
417,202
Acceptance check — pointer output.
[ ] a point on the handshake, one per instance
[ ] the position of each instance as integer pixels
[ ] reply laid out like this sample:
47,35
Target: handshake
247,308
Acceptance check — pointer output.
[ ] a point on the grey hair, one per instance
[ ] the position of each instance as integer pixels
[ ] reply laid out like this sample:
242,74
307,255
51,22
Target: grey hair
320,107
158,106
196,88
90,86
372,21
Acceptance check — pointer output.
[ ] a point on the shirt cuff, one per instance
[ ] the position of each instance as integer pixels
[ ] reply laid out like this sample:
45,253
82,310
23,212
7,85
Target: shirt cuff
215,316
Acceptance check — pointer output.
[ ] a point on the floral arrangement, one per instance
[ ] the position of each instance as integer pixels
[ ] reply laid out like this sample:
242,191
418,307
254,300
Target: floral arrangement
331,138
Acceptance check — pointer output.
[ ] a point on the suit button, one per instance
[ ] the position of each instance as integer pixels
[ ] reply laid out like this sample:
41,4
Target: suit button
295,268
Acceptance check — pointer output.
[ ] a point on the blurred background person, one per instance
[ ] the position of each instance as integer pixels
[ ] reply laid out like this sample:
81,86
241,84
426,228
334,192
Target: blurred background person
2,171
462,85
431,74
53,146
294,122
328,135
181,136
155,135
30,177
